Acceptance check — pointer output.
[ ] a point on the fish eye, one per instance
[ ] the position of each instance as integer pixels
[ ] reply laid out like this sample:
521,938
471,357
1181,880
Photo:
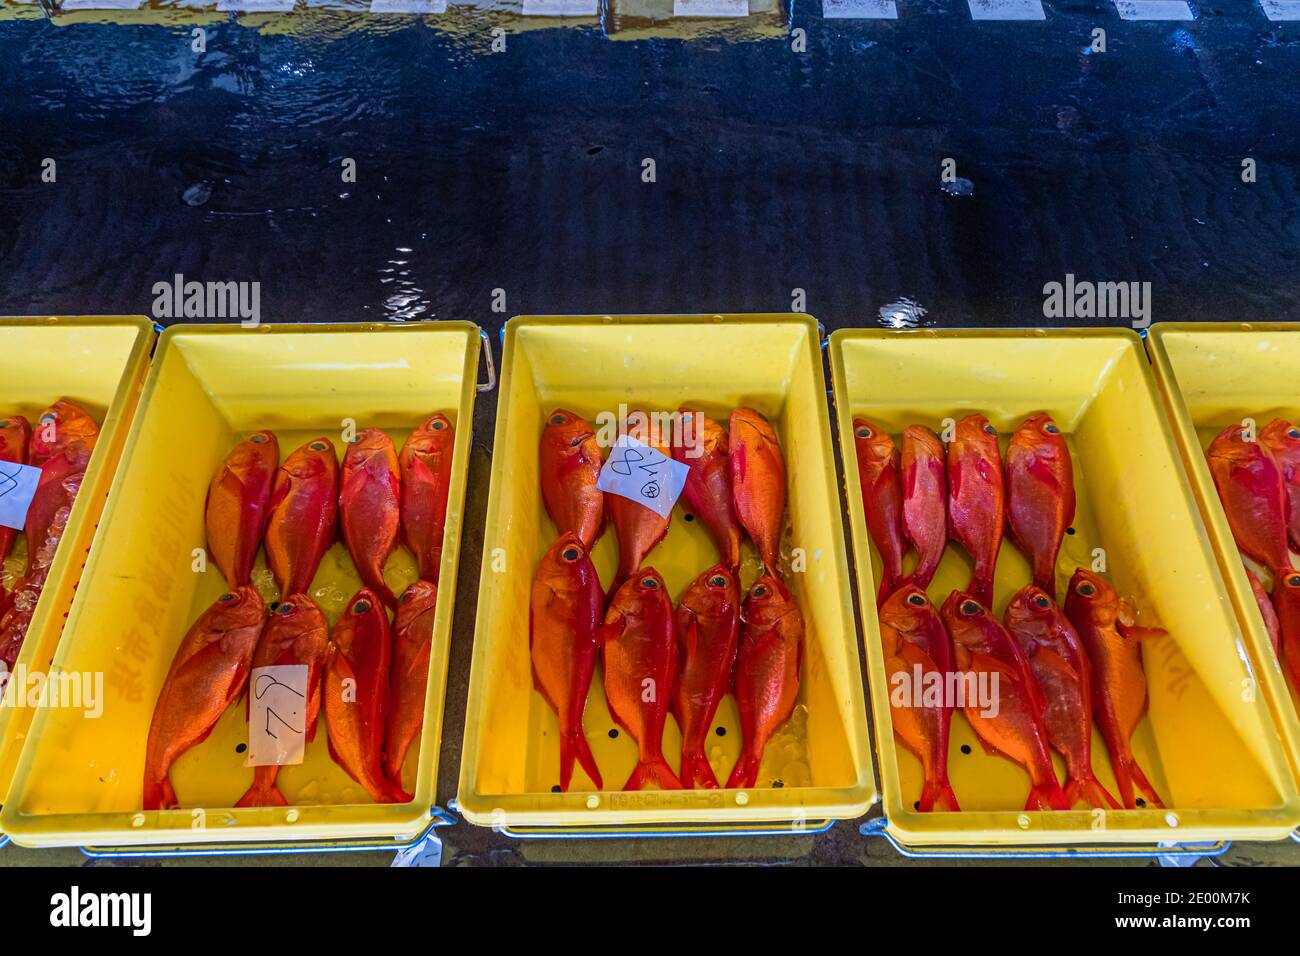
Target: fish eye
284,609
406,597
1051,428
916,600
760,591
318,445
49,417
557,419
570,554
864,431
1086,589
969,607
1042,601
1294,581
4,424
226,598
361,607
649,583
990,429
1293,432
718,581
258,439
439,425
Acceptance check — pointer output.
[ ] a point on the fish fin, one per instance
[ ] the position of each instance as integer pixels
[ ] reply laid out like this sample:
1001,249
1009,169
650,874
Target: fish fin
1046,796
1049,658
1138,781
1135,633
159,795
696,772
984,662
654,770
937,797
1088,790
575,745
609,631
258,796
888,585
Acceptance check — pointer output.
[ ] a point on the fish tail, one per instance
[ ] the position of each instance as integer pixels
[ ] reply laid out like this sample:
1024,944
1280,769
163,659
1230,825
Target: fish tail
394,759
981,585
1046,796
937,797
1090,791
574,745
1129,777
655,770
1045,580
263,794
745,774
696,772
889,583
159,794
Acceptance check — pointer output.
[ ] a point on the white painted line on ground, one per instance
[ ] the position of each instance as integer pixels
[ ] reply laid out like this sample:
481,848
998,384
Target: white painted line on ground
561,8
1154,10
101,4
408,6
710,8
255,6
1281,9
1006,10
859,10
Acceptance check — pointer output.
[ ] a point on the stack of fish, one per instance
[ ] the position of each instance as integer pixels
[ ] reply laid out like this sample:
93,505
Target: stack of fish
658,659
60,446
369,678
1052,670
1258,480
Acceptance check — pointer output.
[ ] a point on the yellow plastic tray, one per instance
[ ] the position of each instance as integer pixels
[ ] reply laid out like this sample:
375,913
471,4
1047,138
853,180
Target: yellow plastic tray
1211,375
100,363
1211,750
591,365
79,780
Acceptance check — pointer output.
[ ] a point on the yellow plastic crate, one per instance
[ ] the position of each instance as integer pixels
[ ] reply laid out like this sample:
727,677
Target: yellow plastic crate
590,365
1211,748
1212,375
99,363
79,780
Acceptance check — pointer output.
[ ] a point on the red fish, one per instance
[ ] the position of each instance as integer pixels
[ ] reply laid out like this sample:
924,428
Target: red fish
1267,612
208,673
639,529
976,500
1250,485
563,620
370,503
1012,723
708,484
304,515
15,436
925,500
1040,495
917,646
408,682
238,506
767,671
296,634
426,483
1056,656
640,672
708,632
1286,598
355,695
882,500
1110,636
1283,440
570,461
758,482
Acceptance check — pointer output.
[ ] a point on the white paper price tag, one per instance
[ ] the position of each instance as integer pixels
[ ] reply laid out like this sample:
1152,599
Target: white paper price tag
277,719
635,470
17,488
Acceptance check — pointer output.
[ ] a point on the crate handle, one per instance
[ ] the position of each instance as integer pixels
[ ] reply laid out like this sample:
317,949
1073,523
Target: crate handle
878,827
440,818
491,383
